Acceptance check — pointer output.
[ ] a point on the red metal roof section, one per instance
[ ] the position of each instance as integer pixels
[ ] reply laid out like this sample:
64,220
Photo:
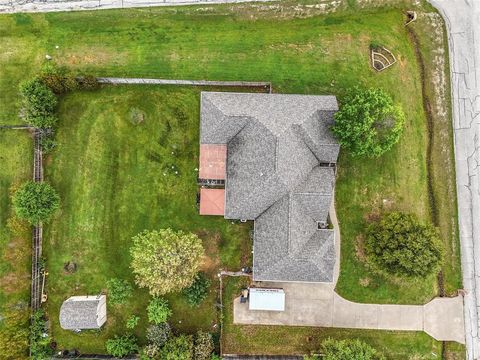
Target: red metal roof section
212,201
212,161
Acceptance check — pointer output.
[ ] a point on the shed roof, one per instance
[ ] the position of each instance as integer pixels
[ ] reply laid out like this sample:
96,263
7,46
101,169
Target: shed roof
266,299
83,312
212,201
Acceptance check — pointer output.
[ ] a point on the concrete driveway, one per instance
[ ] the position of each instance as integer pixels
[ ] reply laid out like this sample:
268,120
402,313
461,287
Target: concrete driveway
317,304
462,18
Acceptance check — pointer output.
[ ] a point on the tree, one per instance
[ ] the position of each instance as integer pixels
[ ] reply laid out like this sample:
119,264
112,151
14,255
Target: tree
119,290
39,103
158,310
165,261
398,244
35,202
178,348
121,346
158,334
198,291
348,350
202,346
368,123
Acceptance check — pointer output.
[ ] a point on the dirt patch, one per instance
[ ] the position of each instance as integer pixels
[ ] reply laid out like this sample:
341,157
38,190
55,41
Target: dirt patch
13,281
89,56
364,282
211,241
360,248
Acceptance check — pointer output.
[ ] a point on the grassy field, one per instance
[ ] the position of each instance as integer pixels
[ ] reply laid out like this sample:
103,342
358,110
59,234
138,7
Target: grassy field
110,172
15,157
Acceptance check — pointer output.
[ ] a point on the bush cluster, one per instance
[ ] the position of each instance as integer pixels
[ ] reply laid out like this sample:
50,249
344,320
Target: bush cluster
158,310
119,290
162,345
39,103
158,334
39,338
198,291
121,346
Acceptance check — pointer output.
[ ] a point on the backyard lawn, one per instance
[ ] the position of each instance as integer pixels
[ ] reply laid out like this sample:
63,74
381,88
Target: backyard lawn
127,156
15,160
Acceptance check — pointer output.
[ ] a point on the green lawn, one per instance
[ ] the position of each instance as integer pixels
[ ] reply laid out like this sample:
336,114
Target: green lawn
15,157
110,172
118,178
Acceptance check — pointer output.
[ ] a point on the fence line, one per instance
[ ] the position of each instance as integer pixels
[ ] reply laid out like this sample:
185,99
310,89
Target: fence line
142,81
37,232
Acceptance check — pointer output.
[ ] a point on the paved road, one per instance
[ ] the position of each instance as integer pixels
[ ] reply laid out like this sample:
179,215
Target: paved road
462,18
11,6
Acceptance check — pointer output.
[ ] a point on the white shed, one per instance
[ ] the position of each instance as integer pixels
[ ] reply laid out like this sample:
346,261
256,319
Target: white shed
83,312
266,299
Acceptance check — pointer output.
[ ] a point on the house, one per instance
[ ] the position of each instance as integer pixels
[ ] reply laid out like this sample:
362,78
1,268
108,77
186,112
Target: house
271,158
83,312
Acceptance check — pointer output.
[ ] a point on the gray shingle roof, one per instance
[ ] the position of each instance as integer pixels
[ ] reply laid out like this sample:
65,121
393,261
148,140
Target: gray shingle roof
80,314
275,145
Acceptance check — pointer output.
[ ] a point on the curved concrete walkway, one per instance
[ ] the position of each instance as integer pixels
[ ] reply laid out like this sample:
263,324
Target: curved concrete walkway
313,304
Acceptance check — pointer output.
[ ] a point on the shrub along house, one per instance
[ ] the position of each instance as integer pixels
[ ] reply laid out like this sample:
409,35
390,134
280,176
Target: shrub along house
271,158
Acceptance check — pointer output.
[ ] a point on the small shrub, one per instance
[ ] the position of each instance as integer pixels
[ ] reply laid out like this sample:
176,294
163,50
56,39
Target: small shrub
348,350
198,291
121,346
203,346
216,357
39,338
159,334
178,348
39,103
132,322
48,144
35,202
150,352
119,290
158,310
88,82
399,245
